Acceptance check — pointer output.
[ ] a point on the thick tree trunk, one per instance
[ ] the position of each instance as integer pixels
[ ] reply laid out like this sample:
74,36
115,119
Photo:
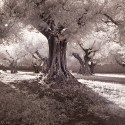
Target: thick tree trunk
44,66
92,66
87,68
13,67
84,65
80,70
57,60
3,68
57,65
36,68
87,65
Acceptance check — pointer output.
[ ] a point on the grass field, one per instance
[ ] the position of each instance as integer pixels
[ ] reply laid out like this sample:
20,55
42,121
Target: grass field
25,101
115,78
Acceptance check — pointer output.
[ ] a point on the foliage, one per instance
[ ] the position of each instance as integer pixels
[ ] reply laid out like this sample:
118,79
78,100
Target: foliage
21,49
10,53
66,14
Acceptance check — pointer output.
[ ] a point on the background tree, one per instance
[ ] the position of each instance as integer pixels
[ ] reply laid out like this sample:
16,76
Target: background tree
87,64
12,54
90,42
36,45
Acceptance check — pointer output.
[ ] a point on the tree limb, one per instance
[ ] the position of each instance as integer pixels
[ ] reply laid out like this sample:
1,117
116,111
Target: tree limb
111,19
9,55
76,55
81,47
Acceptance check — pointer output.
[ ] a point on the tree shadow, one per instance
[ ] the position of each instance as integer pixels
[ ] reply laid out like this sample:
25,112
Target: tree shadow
69,103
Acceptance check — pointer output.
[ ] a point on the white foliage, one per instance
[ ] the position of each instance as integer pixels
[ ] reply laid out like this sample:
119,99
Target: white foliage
7,77
34,40
107,52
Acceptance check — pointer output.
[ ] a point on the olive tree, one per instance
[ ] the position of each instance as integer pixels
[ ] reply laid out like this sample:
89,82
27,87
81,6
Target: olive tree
11,55
90,42
36,45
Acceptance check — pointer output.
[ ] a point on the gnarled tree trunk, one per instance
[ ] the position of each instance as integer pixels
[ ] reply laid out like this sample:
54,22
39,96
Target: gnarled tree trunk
88,63
57,65
92,66
13,66
82,63
36,68
85,67
57,69
44,66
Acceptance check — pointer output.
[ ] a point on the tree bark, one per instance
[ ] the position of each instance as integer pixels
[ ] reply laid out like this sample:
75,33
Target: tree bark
57,60
92,66
13,67
81,70
57,65
87,65
36,68
84,65
44,66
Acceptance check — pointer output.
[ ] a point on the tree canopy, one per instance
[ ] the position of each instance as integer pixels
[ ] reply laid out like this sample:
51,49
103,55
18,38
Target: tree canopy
60,14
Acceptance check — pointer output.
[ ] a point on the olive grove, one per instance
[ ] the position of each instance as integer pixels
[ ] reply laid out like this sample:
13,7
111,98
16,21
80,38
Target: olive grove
61,20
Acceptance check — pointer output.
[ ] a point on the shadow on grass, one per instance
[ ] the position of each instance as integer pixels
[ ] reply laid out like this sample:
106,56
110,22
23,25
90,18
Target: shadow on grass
56,104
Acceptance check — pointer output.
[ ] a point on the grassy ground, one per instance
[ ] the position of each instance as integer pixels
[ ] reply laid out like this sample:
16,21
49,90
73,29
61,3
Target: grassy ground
33,103
101,78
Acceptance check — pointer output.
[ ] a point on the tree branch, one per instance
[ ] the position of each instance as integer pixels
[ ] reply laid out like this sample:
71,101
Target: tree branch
38,54
76,55
7,59
81,47
111,19
9,55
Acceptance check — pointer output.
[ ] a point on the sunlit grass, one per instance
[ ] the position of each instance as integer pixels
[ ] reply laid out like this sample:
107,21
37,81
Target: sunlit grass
111,75
7,77
114,92
60,102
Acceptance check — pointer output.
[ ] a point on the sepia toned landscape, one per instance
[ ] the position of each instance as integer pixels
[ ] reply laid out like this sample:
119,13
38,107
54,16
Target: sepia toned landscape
62,62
